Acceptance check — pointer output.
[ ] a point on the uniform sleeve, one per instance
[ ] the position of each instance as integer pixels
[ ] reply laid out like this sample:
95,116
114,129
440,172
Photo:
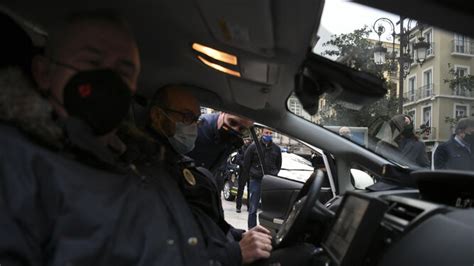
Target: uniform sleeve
227,253
440,157
220,248
19,241
14,246
236,233
27,204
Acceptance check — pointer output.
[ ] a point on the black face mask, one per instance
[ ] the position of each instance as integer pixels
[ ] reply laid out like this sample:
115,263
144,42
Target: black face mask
469,138
99,97
408,130
229,135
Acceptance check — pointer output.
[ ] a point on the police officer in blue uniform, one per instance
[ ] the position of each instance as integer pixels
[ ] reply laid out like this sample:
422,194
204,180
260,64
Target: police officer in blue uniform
171,132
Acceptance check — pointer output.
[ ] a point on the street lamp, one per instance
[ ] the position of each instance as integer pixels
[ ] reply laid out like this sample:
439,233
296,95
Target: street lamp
404,59
421,47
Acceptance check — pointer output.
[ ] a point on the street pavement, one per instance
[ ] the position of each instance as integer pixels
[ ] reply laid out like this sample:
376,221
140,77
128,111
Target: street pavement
238,220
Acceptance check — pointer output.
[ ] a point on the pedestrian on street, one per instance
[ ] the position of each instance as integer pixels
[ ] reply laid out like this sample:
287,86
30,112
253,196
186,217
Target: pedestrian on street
242,181
403,143
252,169
219,134
457,152
345,132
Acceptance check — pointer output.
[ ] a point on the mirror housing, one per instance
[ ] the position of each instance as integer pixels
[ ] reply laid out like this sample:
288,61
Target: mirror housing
344,85
361,179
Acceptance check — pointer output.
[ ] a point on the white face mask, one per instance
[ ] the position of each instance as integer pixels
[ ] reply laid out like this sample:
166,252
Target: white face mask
184,137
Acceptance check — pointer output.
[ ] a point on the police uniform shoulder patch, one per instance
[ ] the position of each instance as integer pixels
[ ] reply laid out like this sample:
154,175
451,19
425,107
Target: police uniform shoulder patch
189,177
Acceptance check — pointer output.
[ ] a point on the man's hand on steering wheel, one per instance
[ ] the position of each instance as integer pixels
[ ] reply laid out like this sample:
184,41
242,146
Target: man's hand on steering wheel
256,244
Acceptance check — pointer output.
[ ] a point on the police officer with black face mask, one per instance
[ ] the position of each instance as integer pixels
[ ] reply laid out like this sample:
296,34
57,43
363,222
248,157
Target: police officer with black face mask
66,196
457,152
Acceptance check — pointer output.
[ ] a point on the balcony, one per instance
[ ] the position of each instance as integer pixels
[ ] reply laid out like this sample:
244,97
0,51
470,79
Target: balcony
465,47
430,51
463,92
427,90
422,92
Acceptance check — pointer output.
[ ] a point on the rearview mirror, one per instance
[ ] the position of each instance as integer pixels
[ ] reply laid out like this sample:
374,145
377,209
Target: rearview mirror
349,87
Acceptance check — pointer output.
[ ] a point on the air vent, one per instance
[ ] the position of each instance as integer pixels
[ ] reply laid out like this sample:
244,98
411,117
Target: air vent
400,215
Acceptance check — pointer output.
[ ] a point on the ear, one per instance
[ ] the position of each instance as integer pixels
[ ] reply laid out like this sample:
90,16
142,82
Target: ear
40,67
161,123
155,117
220,120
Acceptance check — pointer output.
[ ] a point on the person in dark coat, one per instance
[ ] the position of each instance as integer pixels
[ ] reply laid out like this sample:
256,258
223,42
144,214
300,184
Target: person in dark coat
219,134
253,170
457,153
403,144
172,126
66,198
242,181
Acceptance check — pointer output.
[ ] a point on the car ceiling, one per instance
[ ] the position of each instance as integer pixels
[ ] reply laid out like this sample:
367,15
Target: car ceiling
270,37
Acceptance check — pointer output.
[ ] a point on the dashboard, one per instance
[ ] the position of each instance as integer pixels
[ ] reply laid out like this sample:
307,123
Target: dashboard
397,228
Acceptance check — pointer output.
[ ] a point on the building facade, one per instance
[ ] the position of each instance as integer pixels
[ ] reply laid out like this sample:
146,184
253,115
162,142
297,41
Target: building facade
428,98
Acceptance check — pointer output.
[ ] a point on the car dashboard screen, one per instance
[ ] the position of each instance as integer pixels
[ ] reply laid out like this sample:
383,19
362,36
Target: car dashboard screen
345,227
353,228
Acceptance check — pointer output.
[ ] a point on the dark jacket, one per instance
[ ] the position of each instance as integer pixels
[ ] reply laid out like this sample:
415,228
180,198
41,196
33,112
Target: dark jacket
239,158
271,158
409,152
415,151
452,155
210,150
61,207
204,199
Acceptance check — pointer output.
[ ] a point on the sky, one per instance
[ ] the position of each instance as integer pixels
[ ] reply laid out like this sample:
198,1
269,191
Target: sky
341,16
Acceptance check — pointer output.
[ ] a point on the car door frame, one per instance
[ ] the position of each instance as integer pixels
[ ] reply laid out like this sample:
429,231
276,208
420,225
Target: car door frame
277,221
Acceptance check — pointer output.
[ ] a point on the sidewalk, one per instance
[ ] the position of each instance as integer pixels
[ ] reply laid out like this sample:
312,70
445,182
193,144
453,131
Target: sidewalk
238,220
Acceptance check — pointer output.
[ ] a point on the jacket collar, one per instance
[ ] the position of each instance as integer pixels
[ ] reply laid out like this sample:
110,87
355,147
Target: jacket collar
22,106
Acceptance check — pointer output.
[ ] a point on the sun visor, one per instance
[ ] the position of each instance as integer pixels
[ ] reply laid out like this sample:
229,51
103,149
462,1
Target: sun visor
249,94
246,24
348,87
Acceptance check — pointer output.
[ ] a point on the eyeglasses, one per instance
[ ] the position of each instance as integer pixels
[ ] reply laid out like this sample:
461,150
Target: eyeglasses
188,118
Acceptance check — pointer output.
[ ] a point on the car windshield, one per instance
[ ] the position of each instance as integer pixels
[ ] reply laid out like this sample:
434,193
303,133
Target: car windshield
426,71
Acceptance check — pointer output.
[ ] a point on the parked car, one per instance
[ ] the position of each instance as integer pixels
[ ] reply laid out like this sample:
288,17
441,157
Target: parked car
259,62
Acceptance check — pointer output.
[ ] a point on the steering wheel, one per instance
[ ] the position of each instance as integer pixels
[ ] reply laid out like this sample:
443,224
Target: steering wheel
300,212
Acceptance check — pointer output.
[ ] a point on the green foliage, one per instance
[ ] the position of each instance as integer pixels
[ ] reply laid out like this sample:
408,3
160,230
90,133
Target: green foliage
465,82
355,50
452,122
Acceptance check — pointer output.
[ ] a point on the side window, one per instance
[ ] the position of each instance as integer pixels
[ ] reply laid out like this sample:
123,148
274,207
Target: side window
299,161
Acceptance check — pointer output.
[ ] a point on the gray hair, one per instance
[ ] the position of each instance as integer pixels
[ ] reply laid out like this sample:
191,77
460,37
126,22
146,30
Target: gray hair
58,34
463,124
